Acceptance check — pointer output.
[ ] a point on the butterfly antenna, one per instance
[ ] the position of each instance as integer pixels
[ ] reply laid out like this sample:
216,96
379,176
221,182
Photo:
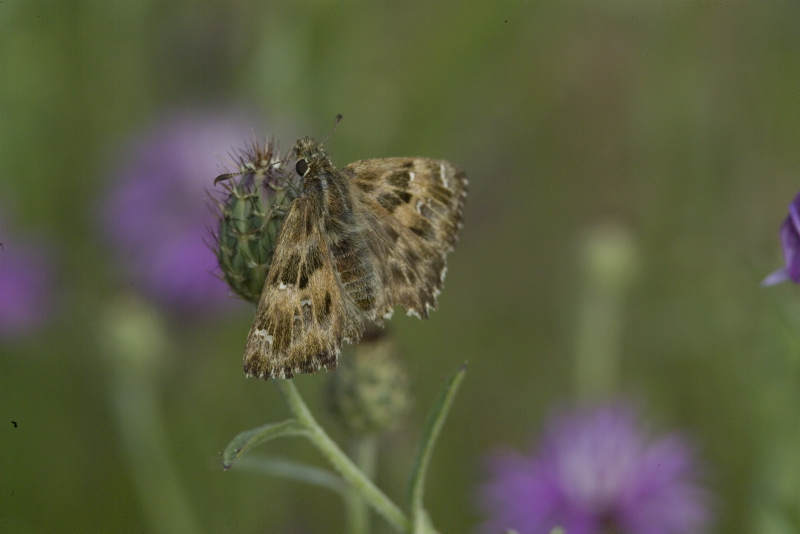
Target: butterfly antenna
336,122
230,175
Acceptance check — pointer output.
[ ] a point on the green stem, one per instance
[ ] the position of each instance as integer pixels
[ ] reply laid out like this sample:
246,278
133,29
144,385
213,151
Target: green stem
144,433
598,344
364,452
339,460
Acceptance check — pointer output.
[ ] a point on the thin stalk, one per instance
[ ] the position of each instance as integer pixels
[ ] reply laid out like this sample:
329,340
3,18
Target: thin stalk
364,452
340,462
166,506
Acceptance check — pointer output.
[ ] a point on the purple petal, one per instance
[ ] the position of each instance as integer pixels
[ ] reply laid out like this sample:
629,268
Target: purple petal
156,215
776,277
26,288
790,241
596,470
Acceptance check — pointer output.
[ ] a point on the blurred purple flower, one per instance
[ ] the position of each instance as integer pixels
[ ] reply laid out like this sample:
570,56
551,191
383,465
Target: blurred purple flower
596,472
26,286
157,214
790,239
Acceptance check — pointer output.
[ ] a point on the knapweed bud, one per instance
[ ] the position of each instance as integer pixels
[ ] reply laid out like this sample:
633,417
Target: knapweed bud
368,392
250,216
610,258
131,333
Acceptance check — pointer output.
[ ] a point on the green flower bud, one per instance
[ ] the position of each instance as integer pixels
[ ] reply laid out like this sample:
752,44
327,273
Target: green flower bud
610,258
250,217
368,392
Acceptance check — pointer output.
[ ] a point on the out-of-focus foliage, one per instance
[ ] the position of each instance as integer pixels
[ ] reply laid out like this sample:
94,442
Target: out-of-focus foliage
676,121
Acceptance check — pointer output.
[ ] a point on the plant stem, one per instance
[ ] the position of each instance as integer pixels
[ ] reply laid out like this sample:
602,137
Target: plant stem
364,452
166,506
339,460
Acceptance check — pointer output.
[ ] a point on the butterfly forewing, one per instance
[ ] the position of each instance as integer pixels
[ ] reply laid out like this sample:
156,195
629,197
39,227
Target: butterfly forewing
302,317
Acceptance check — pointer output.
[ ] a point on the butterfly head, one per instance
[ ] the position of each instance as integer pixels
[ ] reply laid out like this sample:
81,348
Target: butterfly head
312,160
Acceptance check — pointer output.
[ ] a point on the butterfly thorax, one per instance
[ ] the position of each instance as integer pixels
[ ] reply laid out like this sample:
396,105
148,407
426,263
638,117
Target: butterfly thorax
326,188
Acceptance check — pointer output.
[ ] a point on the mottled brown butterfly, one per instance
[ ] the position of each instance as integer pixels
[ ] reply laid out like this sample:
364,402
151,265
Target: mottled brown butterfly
355,243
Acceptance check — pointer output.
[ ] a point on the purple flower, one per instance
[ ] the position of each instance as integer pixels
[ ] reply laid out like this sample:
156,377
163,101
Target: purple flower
790,239
157,215
596,472
26,286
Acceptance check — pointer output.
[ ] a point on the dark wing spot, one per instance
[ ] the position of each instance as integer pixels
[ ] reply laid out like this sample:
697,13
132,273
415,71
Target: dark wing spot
405,196
423,229
309,225
408,164
390,201
392,233
368,176
313,261
399,180
326,308
441,194
367,187
289,274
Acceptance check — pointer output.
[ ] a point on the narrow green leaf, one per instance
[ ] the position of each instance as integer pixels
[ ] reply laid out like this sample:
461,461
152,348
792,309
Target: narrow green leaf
285,468
430,433
250,438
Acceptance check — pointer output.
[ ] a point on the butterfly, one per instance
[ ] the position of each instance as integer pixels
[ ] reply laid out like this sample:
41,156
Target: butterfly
355,243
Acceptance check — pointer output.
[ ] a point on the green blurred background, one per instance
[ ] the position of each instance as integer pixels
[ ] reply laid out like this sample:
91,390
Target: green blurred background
667,129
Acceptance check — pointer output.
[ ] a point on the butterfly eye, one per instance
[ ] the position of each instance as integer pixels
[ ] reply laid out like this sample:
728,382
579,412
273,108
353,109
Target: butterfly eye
302,167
